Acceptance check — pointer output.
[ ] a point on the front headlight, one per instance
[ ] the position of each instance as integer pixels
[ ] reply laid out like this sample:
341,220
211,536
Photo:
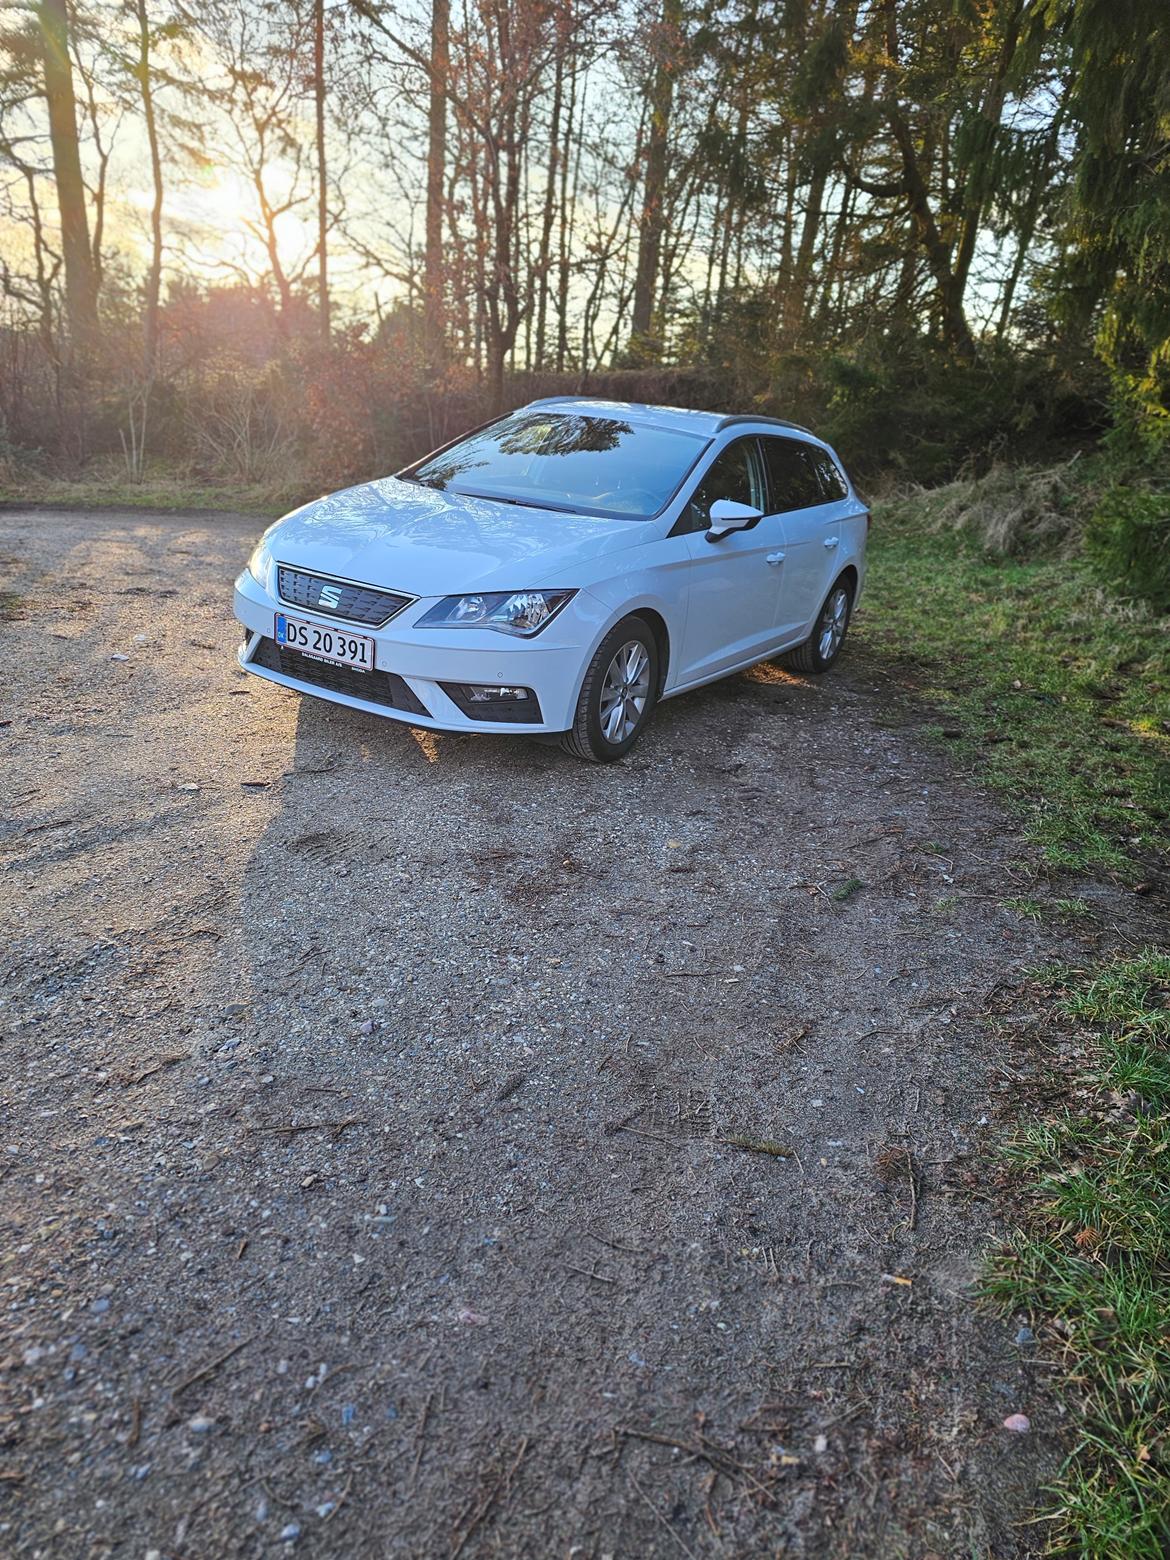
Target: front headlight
523,612
260,564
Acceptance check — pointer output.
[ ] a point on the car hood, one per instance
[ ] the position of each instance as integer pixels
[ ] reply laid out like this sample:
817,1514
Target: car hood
404,536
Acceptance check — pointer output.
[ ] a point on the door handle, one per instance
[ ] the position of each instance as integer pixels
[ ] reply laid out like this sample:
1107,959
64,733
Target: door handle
831,541
776,557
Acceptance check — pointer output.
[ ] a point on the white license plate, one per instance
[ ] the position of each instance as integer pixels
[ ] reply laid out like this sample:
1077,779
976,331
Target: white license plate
326,644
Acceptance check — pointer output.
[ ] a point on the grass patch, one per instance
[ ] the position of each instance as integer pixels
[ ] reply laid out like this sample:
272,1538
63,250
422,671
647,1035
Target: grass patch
1037,909
162,490
9,606
1090,1265
845,891
1058,692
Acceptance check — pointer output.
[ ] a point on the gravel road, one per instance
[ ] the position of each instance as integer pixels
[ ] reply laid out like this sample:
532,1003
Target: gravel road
379,1168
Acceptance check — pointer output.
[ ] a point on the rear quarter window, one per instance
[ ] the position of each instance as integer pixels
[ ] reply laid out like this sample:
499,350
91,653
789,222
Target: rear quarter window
833,483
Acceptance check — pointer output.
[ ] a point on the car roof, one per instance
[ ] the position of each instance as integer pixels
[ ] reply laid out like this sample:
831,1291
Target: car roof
680,418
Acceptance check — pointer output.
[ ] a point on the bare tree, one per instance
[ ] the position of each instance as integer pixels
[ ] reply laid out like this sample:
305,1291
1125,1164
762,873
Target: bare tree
81,292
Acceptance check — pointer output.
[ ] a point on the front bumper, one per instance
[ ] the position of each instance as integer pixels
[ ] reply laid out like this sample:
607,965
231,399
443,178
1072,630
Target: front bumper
419,661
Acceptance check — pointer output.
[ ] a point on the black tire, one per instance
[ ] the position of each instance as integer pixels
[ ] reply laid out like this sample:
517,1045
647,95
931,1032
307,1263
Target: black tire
808,657
586,739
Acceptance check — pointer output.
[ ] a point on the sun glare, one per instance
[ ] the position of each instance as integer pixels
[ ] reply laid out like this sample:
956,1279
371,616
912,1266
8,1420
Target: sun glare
223,226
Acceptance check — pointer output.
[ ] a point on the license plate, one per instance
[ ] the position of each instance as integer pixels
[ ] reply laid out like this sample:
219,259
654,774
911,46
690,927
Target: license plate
326,644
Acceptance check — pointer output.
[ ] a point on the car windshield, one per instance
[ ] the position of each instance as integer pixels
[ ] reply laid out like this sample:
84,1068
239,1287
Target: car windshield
570,461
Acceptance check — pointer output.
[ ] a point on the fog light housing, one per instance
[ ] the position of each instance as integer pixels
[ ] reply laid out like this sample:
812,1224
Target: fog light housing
486,695
495,701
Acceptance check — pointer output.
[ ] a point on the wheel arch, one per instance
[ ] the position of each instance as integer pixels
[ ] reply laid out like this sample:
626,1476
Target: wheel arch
658,628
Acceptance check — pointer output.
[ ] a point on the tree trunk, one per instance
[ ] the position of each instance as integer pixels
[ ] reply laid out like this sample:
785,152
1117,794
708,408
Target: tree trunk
154,275
322,187
650,224
80,278
550,200
991,114
436,163
955,328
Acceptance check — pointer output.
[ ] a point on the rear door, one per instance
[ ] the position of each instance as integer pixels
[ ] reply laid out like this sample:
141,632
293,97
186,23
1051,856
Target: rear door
811,540
733,584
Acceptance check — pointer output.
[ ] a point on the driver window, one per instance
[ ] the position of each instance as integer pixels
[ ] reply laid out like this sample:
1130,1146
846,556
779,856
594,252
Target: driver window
737,473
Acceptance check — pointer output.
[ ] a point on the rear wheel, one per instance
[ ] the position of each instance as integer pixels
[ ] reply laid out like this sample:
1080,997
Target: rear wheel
823,645
618,694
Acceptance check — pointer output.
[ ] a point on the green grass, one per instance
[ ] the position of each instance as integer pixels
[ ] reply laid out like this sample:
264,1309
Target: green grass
1090,1264
1037,909
1055,692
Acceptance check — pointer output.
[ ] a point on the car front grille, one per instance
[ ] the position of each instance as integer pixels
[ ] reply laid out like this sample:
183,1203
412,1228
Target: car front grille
374,687
355,603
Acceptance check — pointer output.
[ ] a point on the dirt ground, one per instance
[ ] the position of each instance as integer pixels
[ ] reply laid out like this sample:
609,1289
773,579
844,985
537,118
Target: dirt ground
373,1175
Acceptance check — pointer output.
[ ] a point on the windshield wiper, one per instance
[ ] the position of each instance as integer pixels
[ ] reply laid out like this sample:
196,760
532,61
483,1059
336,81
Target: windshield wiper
522,503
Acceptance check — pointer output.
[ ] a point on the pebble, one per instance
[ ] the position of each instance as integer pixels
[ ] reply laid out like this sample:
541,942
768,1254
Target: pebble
100,1306
1025,1335
291,1532
1017,1422
200,1425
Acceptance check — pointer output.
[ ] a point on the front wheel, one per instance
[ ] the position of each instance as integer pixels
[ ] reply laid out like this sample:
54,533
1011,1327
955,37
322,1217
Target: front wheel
823,645
618,694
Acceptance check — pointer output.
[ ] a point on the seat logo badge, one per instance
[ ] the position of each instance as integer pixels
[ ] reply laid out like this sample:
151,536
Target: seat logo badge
329,596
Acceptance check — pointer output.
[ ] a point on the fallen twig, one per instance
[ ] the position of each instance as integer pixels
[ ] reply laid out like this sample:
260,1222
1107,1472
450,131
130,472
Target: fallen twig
754,1145
307,1126
686,1549
488,1500
212,1365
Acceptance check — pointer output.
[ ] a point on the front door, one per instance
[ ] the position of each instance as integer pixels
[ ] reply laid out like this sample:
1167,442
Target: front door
733,584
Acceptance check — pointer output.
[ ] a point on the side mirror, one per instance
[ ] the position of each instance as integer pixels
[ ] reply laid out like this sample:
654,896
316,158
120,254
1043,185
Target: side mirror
728,516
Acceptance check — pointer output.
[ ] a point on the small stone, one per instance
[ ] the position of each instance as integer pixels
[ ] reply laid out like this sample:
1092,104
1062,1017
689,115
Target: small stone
1025,1335
1020,1423
291,1532
821,1444
100,1306
200,1425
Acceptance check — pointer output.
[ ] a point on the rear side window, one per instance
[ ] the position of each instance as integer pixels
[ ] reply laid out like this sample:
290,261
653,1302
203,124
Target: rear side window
738,474
793,479
832,481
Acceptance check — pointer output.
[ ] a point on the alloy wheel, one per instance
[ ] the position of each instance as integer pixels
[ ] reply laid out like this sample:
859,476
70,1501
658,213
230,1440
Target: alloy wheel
834,620
624,691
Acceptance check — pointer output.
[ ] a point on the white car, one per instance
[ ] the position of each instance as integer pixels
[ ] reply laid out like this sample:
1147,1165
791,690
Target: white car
561,570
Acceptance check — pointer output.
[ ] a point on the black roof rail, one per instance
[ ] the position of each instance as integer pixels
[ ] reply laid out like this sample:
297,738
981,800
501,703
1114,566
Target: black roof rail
777,422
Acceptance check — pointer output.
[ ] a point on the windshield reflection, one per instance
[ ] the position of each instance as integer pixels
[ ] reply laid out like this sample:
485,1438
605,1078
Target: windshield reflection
598,465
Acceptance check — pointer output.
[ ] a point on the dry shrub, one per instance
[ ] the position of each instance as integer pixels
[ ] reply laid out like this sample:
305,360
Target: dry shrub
1010,510
236,424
